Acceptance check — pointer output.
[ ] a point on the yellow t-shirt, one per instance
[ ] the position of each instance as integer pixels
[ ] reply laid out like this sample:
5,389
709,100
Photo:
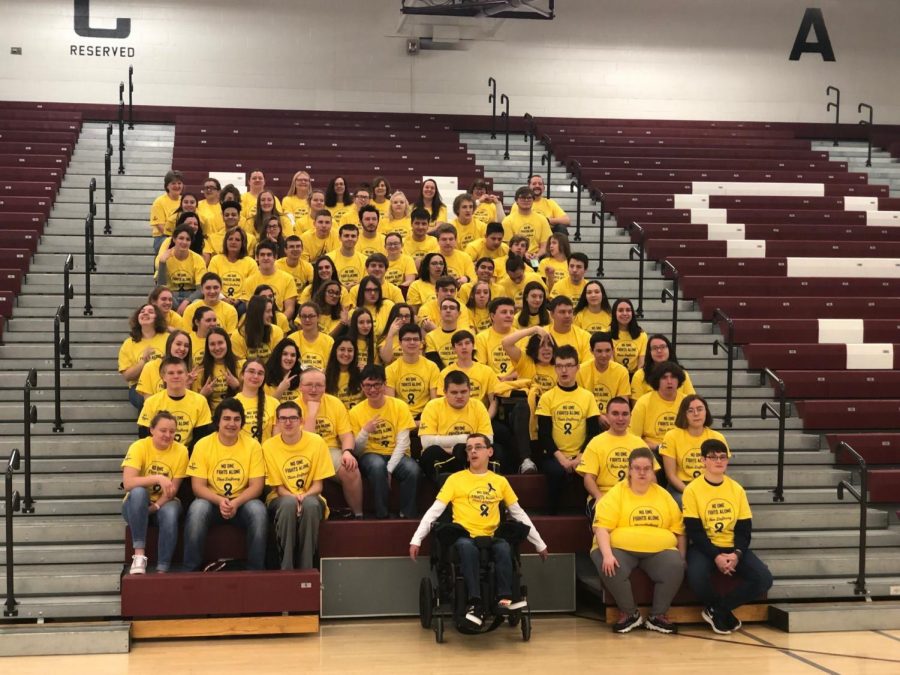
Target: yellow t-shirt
576,337
233,274
302,273
490,352
653,416
511,289
383,208
441,419
604,386
339,211
220,381
251,416
477,250
482,378
162,215
296,206
685,450
645,523
314,353
401,226
553,270
394,417
332,419
190,411
475,498
479,318
459,265
143,456
226,315
240,349
639,385
606,457
628,350
542,375
313,247
569,411
466,234
281,283
566,288
438,341
430,310
350,269
295,467
182,274
367,246
419,249
287,395
248,205
130,352
227,468
343,391
465,292
534,227
210,217
486,212
399,269
150,380
174,321
718,507
420,292
412,382
546,207
593,323
388,291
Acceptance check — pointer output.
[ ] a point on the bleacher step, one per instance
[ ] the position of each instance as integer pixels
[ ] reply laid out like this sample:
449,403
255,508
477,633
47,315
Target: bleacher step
88,578
823,539
70,553
835,616
52,530
70,606
113,637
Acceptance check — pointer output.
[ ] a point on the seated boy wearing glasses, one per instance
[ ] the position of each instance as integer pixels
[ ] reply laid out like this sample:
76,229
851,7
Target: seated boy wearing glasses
297,462
718,523
475,494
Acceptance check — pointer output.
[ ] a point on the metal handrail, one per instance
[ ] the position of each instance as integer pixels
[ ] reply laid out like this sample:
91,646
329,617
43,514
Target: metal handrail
867,123
58,345
529,138
107,175
781,415
492,99
29,417
68,294
673,295
836,104
121,128
90,261
12,506
862,496
601,215
728,345
130,97
574,167
505,115
545,159
638,250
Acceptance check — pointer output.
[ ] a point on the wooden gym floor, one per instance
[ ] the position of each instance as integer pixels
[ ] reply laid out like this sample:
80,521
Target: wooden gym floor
559,643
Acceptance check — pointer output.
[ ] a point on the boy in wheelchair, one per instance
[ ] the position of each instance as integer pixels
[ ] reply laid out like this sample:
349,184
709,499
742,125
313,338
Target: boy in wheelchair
475,495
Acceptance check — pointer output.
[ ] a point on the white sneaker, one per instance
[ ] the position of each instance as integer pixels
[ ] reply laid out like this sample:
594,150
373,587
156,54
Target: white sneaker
527,466
138,564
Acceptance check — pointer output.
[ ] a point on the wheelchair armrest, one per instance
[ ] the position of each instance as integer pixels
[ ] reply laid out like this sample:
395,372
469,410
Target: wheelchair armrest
483,543
513,532
446,534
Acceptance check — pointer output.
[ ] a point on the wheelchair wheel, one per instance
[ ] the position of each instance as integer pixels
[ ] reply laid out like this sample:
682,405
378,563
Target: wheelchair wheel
439,629
526,627
426,602
513,620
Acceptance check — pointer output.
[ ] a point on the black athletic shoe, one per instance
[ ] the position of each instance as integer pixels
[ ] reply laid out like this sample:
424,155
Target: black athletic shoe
627,623
473,615
733,622
661,624
716,619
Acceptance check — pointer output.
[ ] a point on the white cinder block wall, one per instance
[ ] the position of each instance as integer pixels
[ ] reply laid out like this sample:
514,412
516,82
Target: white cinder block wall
721,59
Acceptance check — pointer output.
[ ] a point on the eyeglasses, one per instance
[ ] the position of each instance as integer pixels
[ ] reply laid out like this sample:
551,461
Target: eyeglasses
411,338
372,385
371,290
288,419
210,188
717,457
642,469
658,348
476,447
332,291
566,365
309,317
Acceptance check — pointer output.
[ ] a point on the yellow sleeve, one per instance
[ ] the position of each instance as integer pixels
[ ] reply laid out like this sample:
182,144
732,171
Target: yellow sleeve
257,464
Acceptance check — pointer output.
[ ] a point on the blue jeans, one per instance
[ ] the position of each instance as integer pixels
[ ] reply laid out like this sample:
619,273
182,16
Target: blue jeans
202,513
676,495
136,511
755,578
374,468
157,243
470,567
135,398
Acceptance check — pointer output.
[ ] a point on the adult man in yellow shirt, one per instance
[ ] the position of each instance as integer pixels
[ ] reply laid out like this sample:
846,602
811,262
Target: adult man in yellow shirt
348,262
574,282
419,243
488,347
281,282
369,240
297,463
468,228
490,246
438,343
459,265
525,221
517,277
654,413
227,473
321,238
559,220
294,264
564,331
164,208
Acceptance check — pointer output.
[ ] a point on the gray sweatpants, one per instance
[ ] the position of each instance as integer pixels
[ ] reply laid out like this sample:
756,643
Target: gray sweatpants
665,569
297,538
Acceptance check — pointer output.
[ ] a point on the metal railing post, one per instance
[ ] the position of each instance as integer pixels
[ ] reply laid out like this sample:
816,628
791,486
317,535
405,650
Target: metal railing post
673,295
30,417
492,99
529,138
505,114
638,250
781,416
601,216
130,97
862,496
729,346
57,375
68,294
121,128
90,262
574,168
867,123
836,104
12,506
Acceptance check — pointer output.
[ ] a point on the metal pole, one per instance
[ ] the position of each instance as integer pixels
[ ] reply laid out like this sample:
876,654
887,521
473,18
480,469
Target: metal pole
505,114
57,376
12,505
29,418
867,123
88,256
529,138
121,128
130,100
837,111
492,99
107,229
68,294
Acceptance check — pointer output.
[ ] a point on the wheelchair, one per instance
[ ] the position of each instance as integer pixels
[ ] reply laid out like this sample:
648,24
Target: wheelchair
443,596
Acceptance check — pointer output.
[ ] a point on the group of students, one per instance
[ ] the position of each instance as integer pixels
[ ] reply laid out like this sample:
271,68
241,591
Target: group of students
392,336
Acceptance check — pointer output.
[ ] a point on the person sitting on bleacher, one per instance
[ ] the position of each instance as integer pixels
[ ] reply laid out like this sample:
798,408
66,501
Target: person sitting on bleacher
719,523
559,220
489,342
638,524
388,342
256,184
314,345
484,271
178,345
370,296
488,206
297,463
535,311
152,472
294,264
419,243
266,208
660,349
146,342
228,474
518,276
370,241
605,459
342,374
629,339
382,424
430,200
468,228
162,298
217,376
438,343
655,413
321,238
445,424
429,313
423,289
475,494
204,321
412,378
401,269
164,207
574,282
563,329
602,376
592,311
524,220
296,201
555,266
478,305
459,265
283,371
316,205
281,282
211,287
381,191
349,263
362,329
234,265
274,232
259,407
489,246
180,269
377,266
338,199
210,207
257,336
396,219
189,408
